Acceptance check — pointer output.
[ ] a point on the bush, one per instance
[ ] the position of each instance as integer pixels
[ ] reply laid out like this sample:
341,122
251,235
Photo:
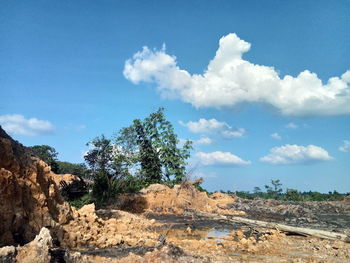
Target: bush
74,190
102,188
81,201
293,195
129,184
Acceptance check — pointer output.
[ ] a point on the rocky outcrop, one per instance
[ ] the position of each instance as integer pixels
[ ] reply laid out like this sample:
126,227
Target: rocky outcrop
29,198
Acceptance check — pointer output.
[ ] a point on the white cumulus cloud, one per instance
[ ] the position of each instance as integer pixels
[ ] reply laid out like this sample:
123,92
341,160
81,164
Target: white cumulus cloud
276,136
229,80
345,147
296,154
220,158
214,126
204,141
16,124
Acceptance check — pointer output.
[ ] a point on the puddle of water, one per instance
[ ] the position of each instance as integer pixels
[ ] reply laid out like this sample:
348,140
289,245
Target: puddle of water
196,234
217,234
185,233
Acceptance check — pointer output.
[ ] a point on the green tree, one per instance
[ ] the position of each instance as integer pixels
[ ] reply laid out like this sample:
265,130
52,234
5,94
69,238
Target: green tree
146,152
275,190
152,144
99,158
46,153
78,169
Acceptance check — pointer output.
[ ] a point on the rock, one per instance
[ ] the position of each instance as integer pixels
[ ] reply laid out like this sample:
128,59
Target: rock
243,241
44,238
87,210
38,250
7,254
189,230
74,257
101,241
29,197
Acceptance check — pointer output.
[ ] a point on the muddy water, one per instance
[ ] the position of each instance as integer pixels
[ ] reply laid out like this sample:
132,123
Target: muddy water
197,222
195,234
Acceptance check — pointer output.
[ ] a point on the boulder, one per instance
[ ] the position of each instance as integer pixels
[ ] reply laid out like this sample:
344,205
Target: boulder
38,250
8,254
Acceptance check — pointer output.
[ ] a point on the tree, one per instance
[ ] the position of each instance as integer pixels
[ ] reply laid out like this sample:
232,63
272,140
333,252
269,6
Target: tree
152,144
275,191
46,153
100,161
99,158
143,153
78,169
256,190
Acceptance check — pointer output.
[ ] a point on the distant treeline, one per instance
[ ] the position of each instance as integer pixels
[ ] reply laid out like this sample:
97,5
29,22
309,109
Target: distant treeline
275,191
295,195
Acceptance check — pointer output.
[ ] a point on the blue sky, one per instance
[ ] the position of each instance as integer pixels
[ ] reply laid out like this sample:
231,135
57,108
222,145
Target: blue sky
248,81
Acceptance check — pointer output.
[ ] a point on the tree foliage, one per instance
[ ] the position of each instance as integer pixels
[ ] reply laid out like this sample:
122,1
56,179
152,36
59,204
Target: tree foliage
100,156
143,153
78,169
46,153
275,190
49,155
152,144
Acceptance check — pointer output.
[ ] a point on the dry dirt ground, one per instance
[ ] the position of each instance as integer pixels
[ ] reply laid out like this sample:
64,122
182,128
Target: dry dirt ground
163,224
156,233
164,227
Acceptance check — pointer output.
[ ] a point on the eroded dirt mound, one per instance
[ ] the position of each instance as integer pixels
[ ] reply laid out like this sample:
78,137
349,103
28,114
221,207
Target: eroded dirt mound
177,200
104,228
29,197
